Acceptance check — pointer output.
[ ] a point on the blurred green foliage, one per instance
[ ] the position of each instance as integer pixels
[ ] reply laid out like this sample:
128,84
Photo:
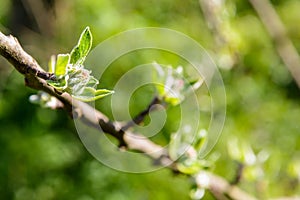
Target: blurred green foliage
41,155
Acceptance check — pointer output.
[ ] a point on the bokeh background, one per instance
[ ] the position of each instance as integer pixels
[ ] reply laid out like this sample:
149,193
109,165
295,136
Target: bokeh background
41,156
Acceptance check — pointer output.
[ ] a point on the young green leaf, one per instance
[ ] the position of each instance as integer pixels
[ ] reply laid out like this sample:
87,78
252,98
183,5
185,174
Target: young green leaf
72,77
59,85
80,51
174,101
191,166
175,86
61,64
90,94
200,139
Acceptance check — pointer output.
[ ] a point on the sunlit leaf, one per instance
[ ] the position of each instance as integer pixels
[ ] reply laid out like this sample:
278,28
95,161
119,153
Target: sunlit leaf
172,100
90,94
192,166
80,51
60,84
92,82
171,85
72,77
61,64
200,139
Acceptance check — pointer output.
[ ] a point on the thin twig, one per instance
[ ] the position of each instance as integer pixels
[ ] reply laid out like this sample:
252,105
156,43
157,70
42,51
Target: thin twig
239,173
141,116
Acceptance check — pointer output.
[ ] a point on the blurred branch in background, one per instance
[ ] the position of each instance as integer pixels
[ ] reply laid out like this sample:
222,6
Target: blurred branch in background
218,17
284,46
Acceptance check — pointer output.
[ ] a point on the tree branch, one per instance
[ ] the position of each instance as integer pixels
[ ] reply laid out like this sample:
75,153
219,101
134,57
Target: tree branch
220,187
24,63
35,78
284,46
